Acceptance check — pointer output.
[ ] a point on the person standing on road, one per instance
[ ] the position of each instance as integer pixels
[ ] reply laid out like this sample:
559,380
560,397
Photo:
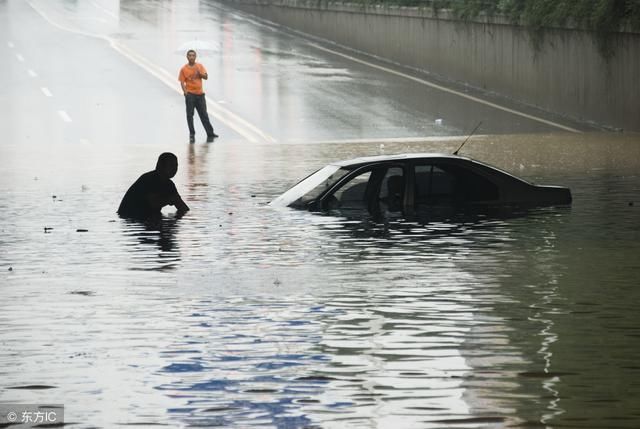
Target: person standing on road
152,191
191,75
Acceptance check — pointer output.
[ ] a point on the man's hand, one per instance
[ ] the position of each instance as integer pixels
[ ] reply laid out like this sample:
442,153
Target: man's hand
180,204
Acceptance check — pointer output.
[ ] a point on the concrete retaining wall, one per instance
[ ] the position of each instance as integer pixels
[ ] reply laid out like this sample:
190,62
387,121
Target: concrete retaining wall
567,76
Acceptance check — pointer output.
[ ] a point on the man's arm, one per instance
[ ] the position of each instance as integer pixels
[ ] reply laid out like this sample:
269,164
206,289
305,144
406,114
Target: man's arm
183,82
158,201
180,204
203,72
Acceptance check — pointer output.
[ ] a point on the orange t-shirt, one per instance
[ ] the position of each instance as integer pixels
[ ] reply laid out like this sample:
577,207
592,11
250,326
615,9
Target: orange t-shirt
190,75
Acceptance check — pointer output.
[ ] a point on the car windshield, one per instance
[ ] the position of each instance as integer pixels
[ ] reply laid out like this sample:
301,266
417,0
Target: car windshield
311,187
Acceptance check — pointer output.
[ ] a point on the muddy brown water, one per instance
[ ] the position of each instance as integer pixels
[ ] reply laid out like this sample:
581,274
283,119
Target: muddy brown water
240,314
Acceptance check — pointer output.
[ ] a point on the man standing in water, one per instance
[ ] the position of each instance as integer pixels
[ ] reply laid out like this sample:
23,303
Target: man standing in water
152,191
191,75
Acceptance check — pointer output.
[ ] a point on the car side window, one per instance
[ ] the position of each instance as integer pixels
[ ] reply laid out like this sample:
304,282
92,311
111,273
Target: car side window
472,187
433,184
391,195
445,184
352,194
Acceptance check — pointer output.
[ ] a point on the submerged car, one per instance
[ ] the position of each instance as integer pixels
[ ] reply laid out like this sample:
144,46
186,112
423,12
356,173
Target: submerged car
417,183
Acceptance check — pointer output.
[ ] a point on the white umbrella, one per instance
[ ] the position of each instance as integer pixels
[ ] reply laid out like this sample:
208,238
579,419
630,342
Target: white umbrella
200,46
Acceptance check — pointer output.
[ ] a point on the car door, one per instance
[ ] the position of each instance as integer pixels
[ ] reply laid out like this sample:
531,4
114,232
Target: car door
442,188
373,189
391,196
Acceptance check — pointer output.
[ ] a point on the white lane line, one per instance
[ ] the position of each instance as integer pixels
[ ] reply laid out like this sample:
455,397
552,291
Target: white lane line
46,91
445,89
233,121
105,10
32,73
11,45
240,125
65,117
20,57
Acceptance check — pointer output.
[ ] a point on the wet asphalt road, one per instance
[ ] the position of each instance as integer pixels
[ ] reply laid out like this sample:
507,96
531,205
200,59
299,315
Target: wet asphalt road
105,72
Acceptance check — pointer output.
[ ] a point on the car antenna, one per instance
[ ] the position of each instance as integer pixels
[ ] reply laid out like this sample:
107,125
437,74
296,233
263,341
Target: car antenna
465,140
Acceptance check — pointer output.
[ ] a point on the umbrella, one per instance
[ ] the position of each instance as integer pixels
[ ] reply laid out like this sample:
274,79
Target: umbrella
200,46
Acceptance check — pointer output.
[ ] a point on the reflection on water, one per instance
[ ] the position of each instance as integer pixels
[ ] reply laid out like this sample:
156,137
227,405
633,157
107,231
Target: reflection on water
152,244
240,314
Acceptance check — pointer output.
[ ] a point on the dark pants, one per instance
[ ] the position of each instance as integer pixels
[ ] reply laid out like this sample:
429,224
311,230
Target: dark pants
195,101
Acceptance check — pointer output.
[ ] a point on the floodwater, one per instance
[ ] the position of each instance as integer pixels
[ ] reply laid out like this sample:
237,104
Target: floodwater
240,314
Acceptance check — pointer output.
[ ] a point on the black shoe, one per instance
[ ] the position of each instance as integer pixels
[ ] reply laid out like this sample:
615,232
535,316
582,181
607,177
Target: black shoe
210,137
192,138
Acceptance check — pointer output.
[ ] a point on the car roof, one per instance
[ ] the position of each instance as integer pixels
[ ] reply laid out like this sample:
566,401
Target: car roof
356,162
396,157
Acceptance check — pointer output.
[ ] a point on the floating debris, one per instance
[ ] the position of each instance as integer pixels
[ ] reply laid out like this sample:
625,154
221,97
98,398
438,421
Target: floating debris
33,387
82,230
47,229
83,292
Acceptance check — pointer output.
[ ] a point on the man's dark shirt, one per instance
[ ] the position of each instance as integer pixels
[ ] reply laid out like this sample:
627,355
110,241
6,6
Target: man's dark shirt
135,203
